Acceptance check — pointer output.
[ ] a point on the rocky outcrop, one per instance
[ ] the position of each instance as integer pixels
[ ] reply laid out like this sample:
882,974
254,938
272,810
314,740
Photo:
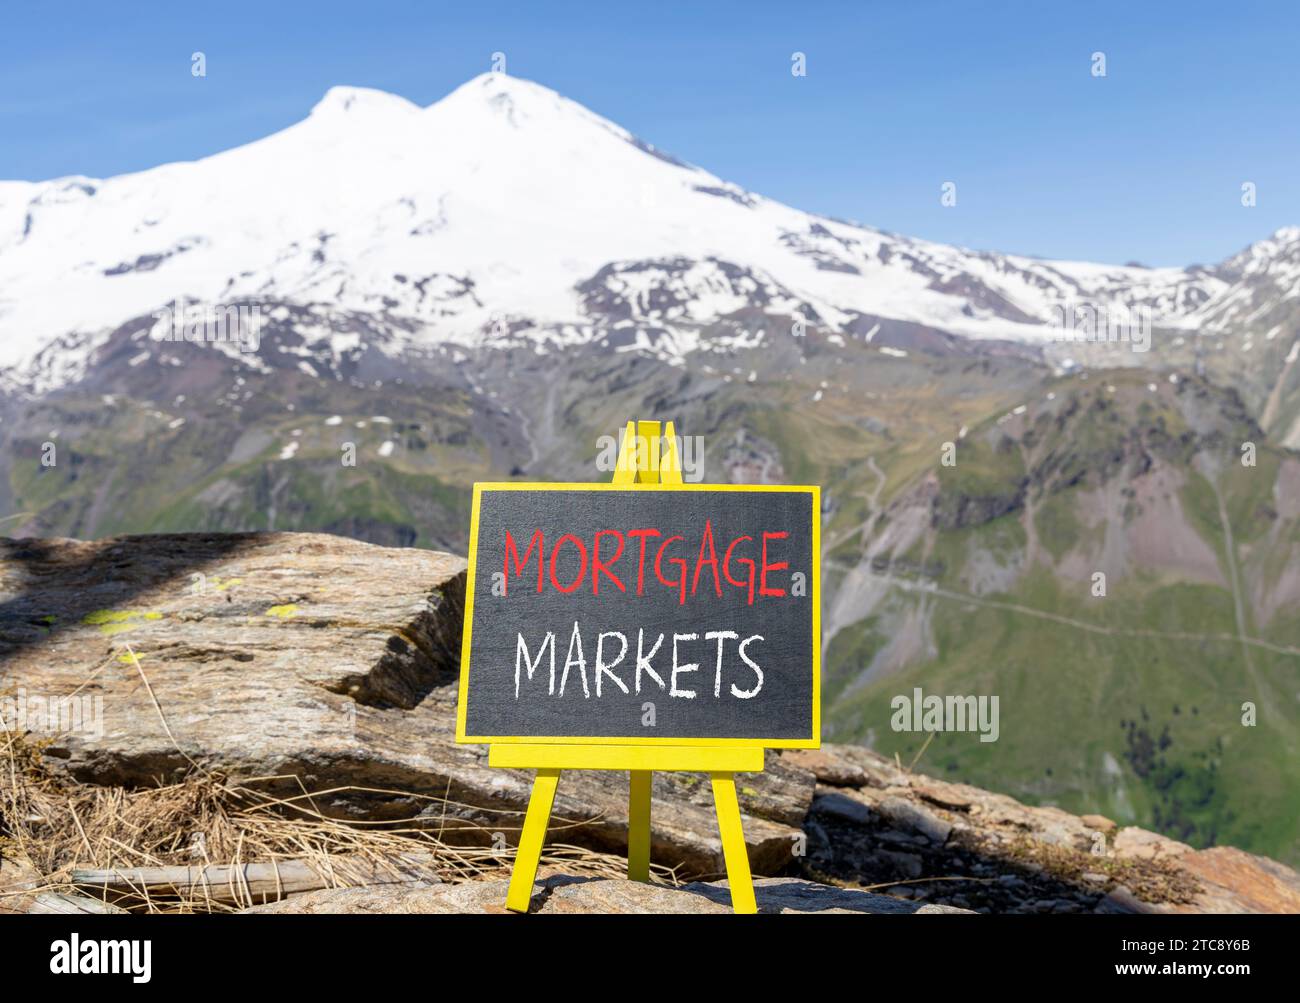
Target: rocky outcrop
952,510
330,665
875,824
314,658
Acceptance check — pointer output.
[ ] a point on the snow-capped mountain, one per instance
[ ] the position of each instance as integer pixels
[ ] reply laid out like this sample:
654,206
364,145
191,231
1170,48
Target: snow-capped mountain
503,207
507,211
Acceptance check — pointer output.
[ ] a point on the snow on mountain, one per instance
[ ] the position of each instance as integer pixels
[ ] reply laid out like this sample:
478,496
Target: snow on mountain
504,207
1264,277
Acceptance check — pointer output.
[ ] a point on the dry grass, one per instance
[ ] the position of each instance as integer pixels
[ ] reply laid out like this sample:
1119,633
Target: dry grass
56,825
1150,880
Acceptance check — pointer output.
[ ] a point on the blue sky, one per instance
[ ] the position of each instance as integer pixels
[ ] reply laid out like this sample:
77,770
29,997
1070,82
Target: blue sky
1144,164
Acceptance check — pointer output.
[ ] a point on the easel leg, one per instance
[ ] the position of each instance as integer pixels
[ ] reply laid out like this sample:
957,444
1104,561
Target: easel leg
638,825
733,843
531,839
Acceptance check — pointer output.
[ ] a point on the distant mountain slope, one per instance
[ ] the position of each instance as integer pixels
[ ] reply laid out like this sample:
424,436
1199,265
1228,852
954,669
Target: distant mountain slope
980,578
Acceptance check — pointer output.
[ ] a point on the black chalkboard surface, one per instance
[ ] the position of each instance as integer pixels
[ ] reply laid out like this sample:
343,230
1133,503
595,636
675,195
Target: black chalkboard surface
642,615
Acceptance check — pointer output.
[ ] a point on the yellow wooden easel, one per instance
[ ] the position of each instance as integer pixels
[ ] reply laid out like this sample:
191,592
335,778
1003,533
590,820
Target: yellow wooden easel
650,458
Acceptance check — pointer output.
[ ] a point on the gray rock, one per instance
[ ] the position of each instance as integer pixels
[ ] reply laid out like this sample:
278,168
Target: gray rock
907,864
916,818
844,807
1121,900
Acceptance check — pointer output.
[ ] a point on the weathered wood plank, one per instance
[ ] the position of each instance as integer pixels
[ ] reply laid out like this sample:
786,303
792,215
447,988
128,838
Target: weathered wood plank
250,883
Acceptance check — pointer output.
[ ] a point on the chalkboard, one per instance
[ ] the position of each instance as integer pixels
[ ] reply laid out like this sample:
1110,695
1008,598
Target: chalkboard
643,614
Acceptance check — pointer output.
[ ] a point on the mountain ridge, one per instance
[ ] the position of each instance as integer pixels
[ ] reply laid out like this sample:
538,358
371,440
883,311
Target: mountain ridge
506,212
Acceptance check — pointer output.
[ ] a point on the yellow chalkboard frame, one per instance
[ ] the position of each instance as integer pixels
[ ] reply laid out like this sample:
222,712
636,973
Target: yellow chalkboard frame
651,459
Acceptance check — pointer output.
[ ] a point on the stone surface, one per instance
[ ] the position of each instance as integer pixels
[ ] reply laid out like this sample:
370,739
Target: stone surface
1099,822
1119,900
829,769
560,895
998,855
913,817
1238,882
1139,844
